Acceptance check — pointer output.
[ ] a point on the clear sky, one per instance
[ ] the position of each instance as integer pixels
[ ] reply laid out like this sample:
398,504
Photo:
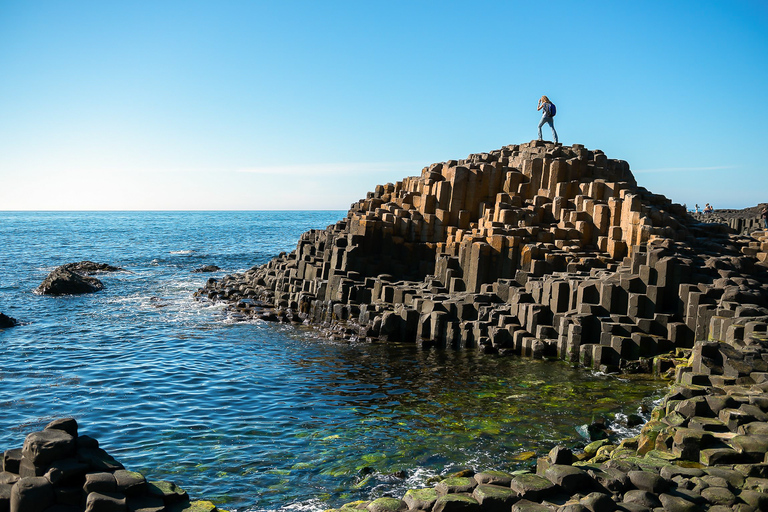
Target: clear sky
309,104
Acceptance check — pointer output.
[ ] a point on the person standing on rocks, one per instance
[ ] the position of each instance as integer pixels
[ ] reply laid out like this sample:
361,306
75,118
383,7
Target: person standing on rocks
548,114
764,216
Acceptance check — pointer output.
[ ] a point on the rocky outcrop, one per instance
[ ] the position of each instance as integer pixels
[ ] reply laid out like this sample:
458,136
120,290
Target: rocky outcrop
534,249
7,321
65,282
58,469
74,279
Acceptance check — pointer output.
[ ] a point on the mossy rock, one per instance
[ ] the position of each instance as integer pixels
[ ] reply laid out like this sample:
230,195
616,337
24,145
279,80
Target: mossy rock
387,505
420,499
605,451
591,448
464,473
661,455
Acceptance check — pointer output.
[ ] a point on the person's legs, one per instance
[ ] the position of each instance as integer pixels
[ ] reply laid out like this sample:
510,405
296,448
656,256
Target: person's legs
541,123
551,123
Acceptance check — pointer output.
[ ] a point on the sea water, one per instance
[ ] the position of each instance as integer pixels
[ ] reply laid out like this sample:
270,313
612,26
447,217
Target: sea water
252,415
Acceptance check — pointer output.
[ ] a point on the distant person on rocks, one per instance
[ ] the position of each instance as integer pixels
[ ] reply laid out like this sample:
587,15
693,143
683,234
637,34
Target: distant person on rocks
708,208
764,216
697,208
548,114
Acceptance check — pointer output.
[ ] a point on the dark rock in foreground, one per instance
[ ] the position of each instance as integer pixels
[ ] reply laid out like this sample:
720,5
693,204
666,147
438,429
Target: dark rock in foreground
59,470
7,321
74,279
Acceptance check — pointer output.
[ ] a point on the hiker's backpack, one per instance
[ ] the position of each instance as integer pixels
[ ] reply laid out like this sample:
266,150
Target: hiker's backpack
551,110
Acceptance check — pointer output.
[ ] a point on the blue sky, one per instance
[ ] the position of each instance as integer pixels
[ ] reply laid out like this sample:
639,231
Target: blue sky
309,105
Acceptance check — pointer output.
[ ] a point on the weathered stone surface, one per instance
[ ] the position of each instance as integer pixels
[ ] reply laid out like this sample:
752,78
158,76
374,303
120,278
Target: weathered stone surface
105,502
571,479
33,494
42,448
531,487
642,498
68,425
495,498
677,504
100,482
493,477
456,503
647,481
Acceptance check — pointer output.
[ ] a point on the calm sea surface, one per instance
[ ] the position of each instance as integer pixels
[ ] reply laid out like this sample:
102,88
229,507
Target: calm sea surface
255,416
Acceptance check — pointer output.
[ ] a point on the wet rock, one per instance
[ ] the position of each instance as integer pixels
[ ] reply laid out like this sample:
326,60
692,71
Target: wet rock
65,282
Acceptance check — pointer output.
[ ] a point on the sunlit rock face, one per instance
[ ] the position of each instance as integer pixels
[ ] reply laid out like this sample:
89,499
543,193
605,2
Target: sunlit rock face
536,249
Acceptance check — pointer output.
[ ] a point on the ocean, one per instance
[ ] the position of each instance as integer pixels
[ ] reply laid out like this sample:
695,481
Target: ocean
257,416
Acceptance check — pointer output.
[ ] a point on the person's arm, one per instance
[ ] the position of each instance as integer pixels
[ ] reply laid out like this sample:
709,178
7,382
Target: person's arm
540,105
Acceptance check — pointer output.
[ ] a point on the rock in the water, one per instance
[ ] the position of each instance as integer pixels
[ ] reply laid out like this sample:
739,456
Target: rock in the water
207,268
65,282
7,321
89,267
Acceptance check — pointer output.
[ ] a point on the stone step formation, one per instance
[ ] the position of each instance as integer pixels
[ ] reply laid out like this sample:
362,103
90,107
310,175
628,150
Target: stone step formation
59,470
535,249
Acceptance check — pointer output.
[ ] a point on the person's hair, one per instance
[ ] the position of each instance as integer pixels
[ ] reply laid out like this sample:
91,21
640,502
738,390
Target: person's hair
545,99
